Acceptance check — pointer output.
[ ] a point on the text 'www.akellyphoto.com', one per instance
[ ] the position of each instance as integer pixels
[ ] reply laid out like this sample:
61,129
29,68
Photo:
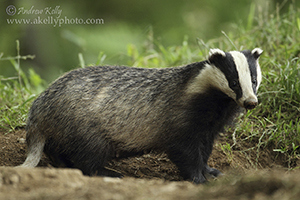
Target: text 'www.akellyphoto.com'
46,16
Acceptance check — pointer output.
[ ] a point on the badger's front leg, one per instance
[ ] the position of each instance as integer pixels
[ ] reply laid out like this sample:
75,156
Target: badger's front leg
207,152
189,162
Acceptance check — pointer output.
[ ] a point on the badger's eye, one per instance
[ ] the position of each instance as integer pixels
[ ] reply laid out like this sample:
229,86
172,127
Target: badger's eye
254,81
234,83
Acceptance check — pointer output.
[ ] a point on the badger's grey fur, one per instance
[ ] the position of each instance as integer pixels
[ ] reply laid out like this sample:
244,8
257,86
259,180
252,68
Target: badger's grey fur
91,115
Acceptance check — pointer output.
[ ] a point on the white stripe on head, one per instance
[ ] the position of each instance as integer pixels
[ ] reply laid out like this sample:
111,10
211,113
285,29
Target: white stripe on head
256,52
210,76
259,77
244,73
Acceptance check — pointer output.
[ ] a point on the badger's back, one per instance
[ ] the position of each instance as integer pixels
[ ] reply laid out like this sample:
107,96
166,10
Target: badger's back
130,106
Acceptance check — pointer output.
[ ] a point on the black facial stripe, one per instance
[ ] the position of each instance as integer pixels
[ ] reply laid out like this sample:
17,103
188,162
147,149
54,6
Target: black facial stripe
228,67
252,62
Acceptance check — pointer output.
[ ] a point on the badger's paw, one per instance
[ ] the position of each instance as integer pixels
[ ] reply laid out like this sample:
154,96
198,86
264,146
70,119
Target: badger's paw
212,171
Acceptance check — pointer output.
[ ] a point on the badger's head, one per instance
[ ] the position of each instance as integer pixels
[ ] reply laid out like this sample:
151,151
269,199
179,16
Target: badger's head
239,73
235,73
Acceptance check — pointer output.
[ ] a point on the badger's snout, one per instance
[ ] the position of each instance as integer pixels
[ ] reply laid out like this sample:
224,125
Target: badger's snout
250,103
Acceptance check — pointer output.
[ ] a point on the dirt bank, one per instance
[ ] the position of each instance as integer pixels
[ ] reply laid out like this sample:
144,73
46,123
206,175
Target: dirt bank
151,176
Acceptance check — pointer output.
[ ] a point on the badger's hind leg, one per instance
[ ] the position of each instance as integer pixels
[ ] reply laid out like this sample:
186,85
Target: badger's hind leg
90,157
92,169
58,160
94,160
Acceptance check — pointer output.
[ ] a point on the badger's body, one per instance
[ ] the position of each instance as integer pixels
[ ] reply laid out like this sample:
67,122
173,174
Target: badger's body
91,115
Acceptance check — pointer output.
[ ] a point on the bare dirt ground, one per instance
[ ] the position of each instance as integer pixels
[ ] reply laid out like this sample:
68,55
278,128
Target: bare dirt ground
151,176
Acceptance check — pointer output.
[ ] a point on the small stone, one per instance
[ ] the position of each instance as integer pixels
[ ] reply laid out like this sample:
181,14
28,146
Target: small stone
111,180
21,140
14,179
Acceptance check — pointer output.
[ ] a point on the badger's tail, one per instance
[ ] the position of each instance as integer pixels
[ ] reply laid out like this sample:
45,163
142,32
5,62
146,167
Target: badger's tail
35,148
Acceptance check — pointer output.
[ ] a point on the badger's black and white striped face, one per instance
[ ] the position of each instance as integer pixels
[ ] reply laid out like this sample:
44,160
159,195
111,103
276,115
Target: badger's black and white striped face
235,73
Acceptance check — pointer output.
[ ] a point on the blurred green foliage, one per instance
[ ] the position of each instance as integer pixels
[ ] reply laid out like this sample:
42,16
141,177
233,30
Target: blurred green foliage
56,48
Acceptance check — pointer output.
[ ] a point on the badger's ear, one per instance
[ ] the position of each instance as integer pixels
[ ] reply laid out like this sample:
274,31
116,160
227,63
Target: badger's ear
216,53
256,52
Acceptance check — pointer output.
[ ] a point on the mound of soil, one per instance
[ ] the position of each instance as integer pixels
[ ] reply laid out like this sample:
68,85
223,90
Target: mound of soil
150,176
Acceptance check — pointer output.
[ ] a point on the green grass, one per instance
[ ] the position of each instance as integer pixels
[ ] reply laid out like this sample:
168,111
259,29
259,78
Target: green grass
17,92
273,124
276,122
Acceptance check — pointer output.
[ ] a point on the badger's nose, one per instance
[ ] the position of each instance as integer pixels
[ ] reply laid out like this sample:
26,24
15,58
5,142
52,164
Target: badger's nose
250,104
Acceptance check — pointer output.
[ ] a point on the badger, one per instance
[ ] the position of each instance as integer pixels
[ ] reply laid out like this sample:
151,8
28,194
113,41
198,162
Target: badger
92,115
